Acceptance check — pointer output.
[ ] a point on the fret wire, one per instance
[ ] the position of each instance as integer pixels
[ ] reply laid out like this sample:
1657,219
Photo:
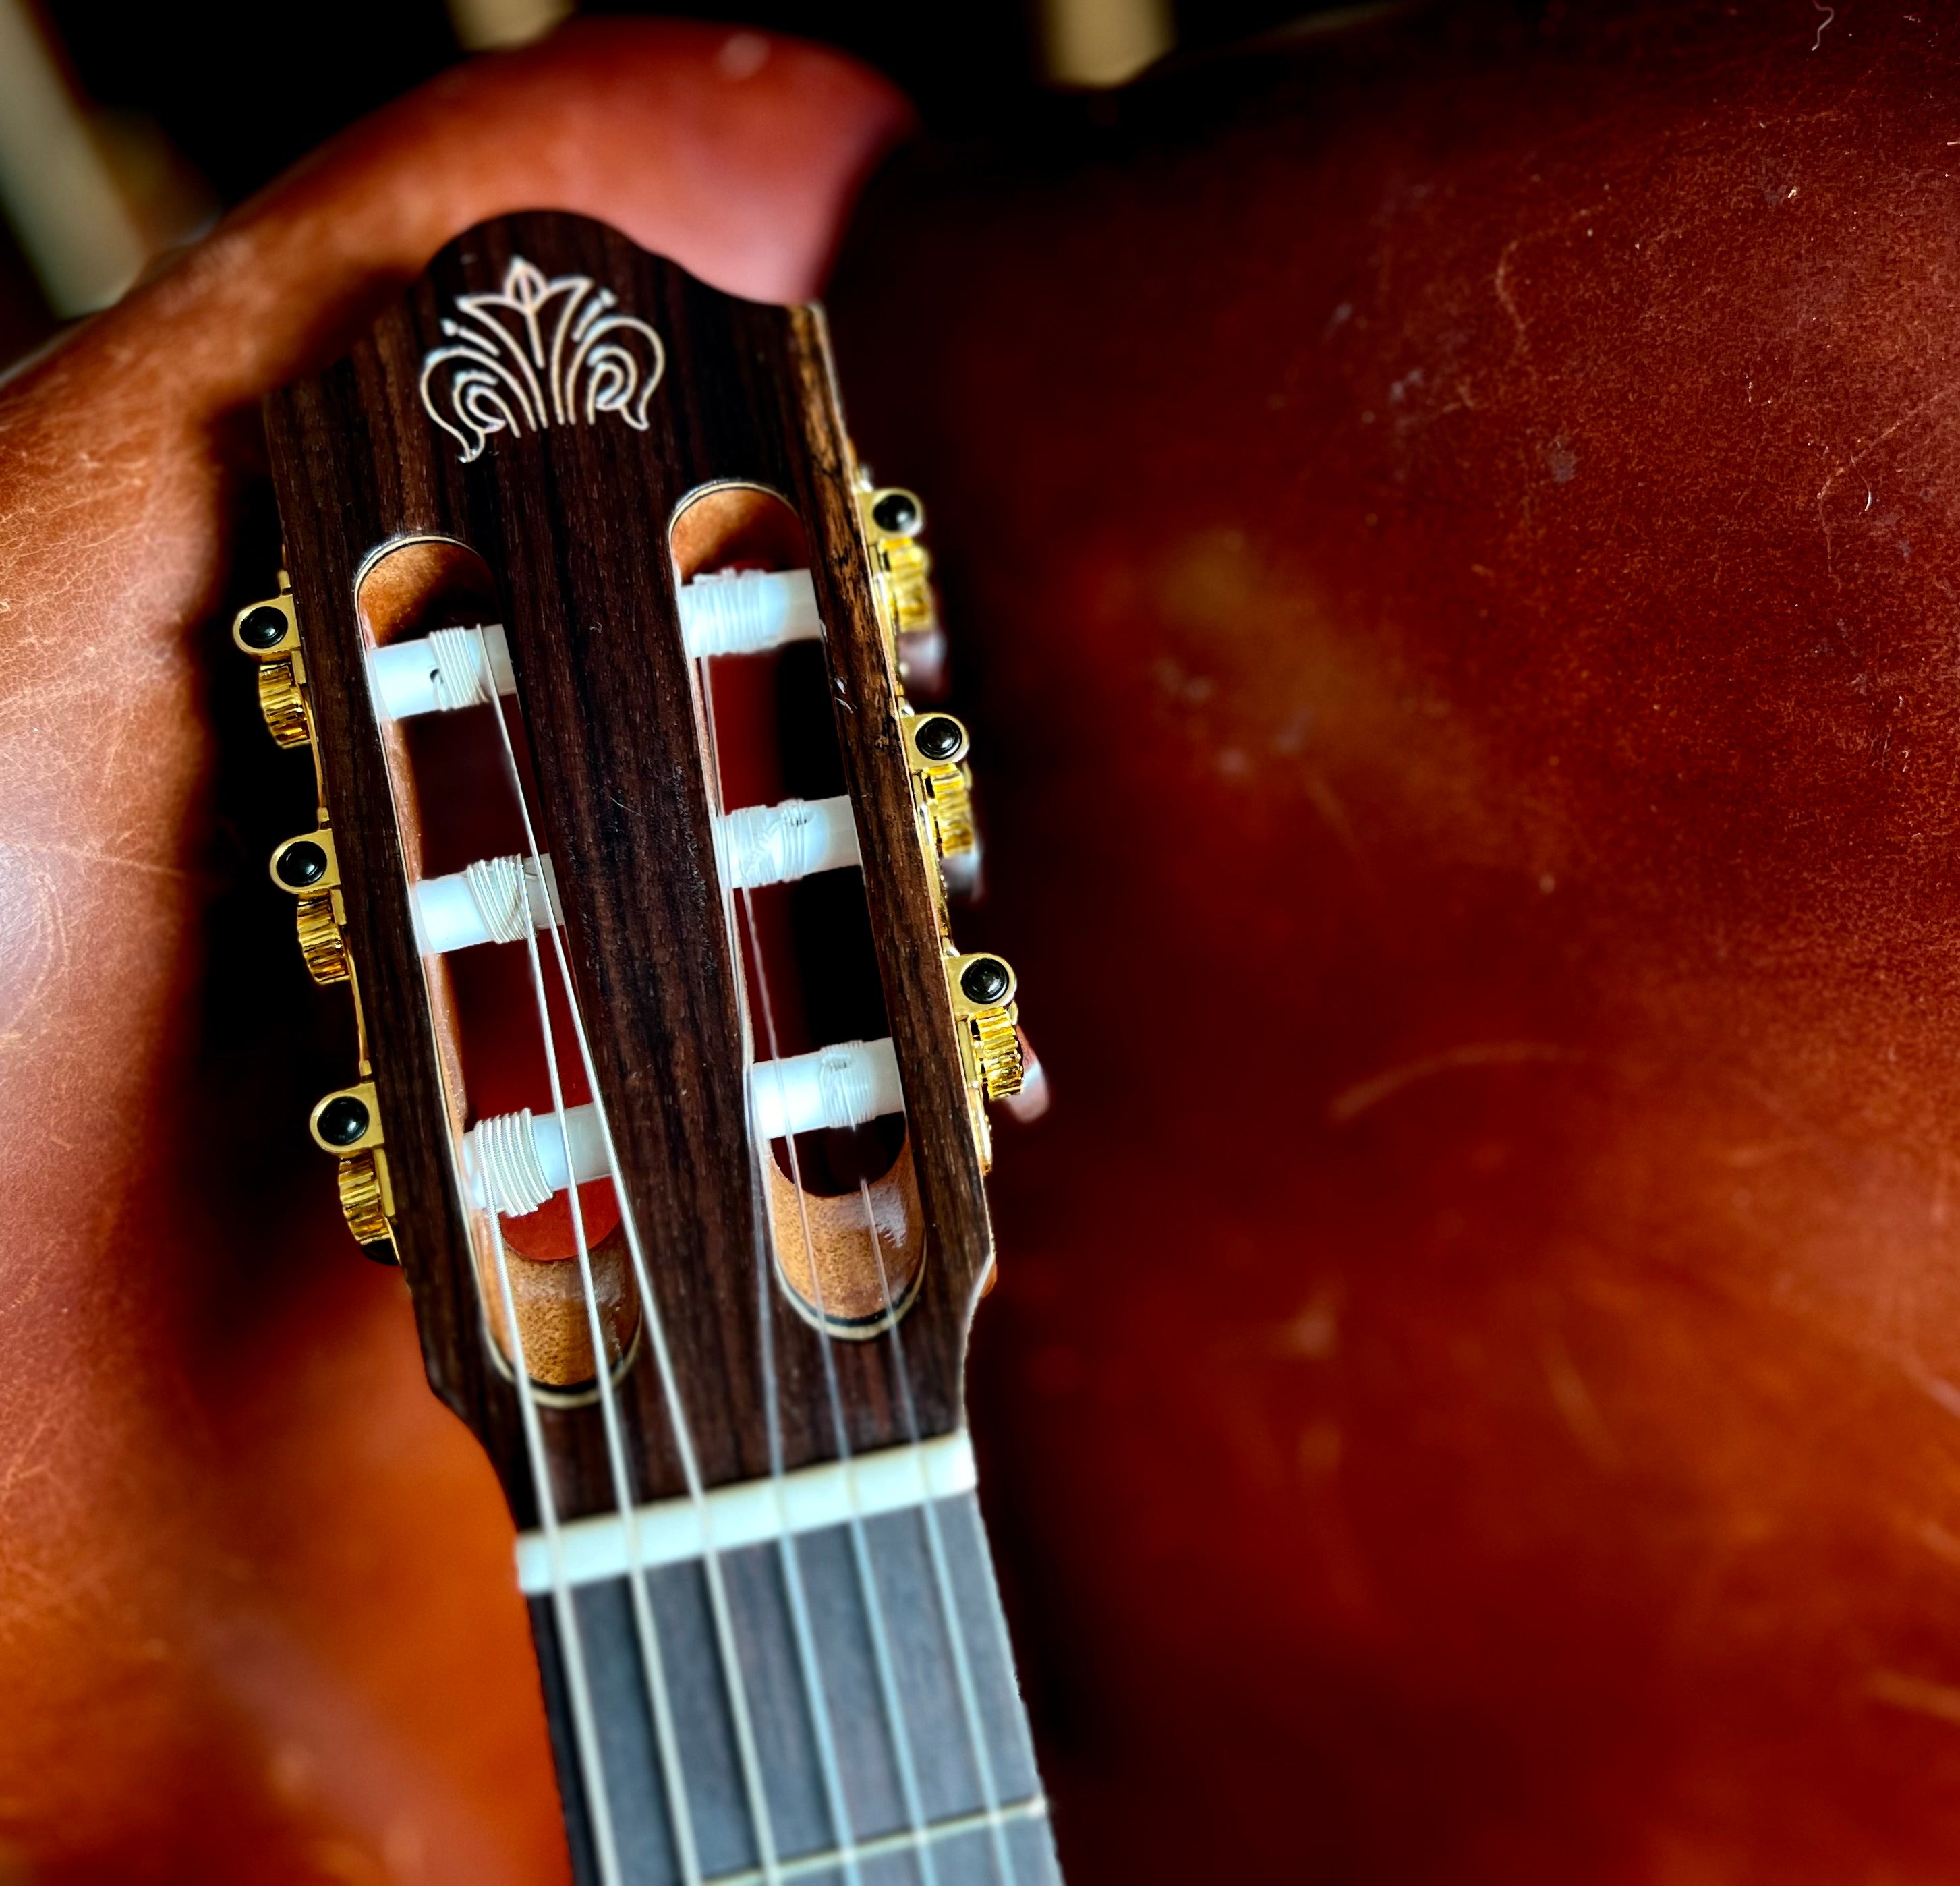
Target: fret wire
906,1839
815,1690
956,1622
718,1595
585,1731
652,1667
874,1610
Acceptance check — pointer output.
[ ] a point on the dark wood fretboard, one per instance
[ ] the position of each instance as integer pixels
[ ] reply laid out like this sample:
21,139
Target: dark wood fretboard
885,1731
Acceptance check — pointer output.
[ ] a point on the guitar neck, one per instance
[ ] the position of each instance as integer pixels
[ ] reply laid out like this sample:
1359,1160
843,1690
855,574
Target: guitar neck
840,1698
670,1099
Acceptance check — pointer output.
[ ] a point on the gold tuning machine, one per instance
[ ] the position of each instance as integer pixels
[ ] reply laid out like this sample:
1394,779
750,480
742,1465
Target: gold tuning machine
902,567
270,632
983,987
308,867
348,1123
942,787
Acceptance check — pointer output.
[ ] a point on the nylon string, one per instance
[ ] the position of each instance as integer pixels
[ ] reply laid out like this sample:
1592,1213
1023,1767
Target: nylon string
815,1689
585,1729
896,1720
895,1724
755,1793
659,1703
956,1626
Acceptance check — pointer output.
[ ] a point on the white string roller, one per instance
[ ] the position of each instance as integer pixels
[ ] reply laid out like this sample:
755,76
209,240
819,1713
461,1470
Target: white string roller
841,1086
747,611
744,613
777,844
519,1160
438,674
494,900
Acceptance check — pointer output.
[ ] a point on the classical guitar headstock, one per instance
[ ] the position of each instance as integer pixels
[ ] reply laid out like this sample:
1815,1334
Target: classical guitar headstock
634,841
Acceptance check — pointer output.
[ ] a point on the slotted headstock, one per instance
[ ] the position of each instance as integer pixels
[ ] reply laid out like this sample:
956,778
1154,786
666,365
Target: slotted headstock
670,1093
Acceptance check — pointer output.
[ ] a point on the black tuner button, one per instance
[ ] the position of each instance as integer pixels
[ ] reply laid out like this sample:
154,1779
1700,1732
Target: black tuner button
342,1120
896,513
940,738
984,980
301,863
264,627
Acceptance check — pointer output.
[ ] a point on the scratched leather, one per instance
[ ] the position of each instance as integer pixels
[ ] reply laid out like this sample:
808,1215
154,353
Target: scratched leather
257,1619
1454,554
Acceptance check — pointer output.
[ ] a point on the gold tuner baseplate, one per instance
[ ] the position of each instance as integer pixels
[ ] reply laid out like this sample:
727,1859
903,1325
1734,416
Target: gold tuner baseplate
983,987
348,1123
942,787
309,868
270,632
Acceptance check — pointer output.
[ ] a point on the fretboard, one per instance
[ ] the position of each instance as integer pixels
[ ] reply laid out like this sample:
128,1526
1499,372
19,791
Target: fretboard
830,1696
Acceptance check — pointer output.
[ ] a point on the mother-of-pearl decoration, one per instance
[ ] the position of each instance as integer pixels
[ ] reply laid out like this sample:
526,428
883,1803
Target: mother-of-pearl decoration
542,353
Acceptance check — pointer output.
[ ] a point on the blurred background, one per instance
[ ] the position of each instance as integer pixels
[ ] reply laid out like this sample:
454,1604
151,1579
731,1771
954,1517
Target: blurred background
125,129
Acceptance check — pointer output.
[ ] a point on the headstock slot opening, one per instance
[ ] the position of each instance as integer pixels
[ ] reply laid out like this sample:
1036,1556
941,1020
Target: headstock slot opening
455,811
846,1222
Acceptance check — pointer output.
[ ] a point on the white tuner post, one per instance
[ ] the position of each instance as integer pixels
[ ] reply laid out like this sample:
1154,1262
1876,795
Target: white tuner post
744,613
844,1085
777,844
494,900
748,611
439,672
519,1160
503,899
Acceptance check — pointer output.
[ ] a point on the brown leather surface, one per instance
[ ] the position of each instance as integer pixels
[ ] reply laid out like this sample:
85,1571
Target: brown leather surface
1453,546
1459,543
257,1619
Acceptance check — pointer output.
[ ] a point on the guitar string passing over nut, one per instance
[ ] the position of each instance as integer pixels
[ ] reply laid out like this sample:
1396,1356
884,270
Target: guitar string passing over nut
518,1160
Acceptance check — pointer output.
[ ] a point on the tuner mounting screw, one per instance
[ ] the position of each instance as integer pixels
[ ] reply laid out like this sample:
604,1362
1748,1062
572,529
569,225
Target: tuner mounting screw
896,513
985,980
940,738
264,627
301,863
342,1120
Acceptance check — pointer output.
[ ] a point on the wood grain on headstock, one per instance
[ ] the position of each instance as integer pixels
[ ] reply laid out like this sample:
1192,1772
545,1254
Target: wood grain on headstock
572,521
